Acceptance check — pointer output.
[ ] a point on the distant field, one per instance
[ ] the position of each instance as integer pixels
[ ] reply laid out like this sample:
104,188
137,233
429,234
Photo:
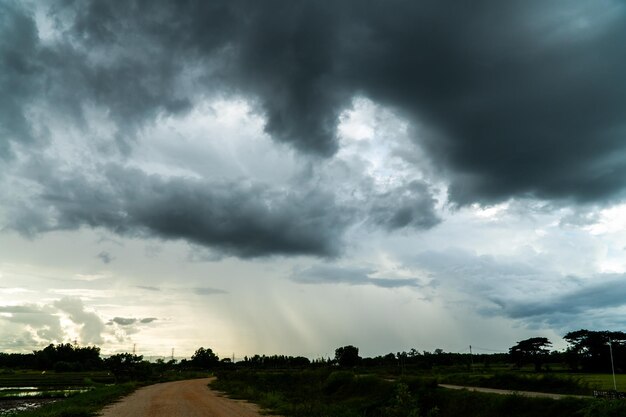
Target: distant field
558,381
603,381
51,379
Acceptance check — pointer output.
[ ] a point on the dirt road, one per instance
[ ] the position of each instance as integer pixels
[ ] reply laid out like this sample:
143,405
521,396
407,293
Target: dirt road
190,398
509,392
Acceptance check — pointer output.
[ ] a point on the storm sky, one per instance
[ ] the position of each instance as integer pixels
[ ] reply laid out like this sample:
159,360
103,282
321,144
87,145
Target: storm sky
289,177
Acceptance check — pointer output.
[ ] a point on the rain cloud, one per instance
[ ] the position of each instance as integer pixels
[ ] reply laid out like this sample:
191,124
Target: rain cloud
517,99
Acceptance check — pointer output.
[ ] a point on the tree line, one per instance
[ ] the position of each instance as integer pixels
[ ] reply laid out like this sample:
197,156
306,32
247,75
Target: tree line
587,351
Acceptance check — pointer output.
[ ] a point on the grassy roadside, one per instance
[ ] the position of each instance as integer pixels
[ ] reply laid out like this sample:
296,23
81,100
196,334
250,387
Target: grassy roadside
347,394
82,405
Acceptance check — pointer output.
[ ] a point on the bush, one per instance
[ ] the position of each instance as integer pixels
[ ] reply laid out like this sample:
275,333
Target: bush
606,408
337,380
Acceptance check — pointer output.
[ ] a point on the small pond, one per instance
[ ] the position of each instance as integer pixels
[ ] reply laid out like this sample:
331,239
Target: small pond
14,399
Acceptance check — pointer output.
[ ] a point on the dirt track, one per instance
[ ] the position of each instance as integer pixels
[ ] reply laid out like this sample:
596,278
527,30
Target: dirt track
509,392
190,398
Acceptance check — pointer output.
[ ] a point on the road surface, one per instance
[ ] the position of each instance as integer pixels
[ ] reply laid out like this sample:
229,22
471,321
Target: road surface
509,392
189,398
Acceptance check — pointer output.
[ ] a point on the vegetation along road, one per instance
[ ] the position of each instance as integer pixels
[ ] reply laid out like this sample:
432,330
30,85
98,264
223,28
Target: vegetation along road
189,398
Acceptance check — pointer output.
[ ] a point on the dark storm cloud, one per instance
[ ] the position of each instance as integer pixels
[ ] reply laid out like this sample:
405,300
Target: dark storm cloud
351,276
237,218
520,98
411,205
523,97
20,75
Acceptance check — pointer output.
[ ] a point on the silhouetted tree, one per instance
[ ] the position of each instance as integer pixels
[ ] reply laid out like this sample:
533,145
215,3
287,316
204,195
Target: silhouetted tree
276,361
126,366
67,357
534,350
347,356
205,358
17,360
590,350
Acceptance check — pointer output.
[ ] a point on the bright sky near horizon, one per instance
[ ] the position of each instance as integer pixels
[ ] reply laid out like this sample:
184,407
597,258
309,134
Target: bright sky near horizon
288,177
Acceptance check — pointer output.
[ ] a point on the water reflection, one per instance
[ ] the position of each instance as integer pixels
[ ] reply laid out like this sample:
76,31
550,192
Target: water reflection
16,399
35,392
11,406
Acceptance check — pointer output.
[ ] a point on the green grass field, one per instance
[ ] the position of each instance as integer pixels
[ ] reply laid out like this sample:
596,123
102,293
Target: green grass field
532,381
603,381
51,379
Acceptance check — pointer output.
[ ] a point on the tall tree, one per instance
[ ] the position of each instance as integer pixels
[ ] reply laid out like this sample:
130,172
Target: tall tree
590,350
534,350
347,356
127,366
205,358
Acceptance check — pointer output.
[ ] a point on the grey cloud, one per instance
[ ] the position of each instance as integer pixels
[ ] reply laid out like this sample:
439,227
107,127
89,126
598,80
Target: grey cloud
126,326
208,291
126,321
580,218
408,206
509,104
454,264
20,309
148,320
22,342
526,291
322,274
92,325
609,292
20,75
482,280
43,320
515,110
522,100
237,218
148,288
123,321
105,257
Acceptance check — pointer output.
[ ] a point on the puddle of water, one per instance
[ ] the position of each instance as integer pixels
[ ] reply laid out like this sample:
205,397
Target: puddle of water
9,407
18,388
34,392
16,399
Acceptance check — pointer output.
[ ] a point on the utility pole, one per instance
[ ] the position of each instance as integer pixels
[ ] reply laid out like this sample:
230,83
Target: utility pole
612,367
471,359
172,353
134,348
